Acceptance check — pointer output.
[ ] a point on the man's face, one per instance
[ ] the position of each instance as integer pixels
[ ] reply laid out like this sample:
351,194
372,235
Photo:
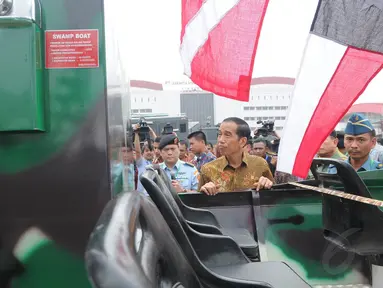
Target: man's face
127,155
197,146
328,147
157,151
359,147
148,154
209,148
228,140
170,153
259,149
183,150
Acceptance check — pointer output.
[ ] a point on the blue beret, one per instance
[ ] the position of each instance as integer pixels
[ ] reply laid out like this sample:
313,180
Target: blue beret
166,140
357,125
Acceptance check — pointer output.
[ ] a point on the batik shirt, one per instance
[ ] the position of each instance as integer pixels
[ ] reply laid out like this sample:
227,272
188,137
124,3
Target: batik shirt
229,179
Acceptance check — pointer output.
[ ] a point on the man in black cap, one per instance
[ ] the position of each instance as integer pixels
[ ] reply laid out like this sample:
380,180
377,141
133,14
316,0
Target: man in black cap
184,176
340,136
329,148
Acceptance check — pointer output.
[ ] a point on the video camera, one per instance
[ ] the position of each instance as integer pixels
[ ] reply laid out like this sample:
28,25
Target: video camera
168,129
143,131
266,132
266,129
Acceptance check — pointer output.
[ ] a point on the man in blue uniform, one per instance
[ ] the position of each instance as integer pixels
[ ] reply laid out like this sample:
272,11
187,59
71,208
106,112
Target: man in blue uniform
184,176
359,139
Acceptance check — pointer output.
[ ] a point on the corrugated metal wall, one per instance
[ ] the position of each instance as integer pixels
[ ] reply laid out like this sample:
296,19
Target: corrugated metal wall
198,106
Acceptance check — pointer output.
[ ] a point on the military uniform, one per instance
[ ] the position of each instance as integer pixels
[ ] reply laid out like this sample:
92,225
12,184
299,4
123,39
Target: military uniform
369,165
185,173
328,168
229,179
377,153
358,125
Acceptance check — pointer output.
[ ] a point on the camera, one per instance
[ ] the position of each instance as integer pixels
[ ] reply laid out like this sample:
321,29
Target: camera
143,130
168,129
266,130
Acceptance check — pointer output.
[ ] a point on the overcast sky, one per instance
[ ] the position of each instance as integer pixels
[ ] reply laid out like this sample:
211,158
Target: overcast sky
149,36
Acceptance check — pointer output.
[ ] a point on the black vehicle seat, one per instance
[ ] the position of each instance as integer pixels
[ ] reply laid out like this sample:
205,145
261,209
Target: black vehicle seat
216,256
132,247
204,221
345,175
351,225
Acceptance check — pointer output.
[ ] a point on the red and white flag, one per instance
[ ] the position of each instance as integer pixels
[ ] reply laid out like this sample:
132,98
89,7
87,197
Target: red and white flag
343,54
219,39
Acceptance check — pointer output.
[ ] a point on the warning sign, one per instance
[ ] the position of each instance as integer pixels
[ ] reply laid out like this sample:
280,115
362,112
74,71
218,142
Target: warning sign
71,49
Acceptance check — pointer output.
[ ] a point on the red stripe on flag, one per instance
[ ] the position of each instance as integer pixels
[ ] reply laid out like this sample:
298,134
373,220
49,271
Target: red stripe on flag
189,10
355,71
224,64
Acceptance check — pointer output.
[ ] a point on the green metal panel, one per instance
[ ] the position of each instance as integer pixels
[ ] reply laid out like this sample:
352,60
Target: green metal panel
21,74
60,180
48,265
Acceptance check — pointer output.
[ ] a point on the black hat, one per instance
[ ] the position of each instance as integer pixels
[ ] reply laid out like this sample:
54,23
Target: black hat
333,134
166,140
358,124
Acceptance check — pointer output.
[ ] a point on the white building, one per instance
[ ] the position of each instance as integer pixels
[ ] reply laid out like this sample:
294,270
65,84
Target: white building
269,100
145,101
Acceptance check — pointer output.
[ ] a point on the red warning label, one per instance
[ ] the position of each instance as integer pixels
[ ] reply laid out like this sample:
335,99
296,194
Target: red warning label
71,49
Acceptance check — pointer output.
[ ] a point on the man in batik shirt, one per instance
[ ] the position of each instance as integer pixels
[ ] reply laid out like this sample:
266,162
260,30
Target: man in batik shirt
236,170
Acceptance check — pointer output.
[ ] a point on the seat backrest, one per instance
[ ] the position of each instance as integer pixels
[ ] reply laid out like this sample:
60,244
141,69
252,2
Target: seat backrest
150,181
179,227
168,184
132,246
345,176
222,250
161,180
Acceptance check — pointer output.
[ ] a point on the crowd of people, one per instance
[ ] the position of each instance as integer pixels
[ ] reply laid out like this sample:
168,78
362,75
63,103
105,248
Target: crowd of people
235,163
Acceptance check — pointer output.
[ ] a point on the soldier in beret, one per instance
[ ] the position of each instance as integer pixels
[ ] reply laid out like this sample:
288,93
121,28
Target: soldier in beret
359,139
184,176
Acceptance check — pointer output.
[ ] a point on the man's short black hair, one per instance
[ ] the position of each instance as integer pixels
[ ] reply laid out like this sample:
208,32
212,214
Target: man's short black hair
146,146
157,140
264,141
198,135
333,134
184,142
243,129
210,144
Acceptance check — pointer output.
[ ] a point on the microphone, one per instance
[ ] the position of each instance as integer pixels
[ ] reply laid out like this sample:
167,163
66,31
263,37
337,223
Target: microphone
172,175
